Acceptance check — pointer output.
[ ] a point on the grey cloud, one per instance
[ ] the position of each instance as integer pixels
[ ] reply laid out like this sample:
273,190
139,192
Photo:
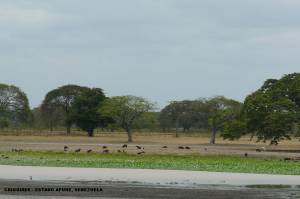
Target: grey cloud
164,50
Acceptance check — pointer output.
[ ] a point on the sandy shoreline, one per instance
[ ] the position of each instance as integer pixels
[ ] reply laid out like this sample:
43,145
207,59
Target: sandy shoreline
148,176
145,183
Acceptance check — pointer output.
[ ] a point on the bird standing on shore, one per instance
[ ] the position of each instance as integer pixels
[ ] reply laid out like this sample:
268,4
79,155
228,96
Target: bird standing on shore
89,151
66,148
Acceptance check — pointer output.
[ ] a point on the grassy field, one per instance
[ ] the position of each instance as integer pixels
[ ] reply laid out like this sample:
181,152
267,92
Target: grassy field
219,163
142,137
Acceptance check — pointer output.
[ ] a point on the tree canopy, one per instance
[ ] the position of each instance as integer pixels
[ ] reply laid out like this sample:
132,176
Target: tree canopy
184,114
61,98
221,110
14,106
85,112
271,112
201,114
125,110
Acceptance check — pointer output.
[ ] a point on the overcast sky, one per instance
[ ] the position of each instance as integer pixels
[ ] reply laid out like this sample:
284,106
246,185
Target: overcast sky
160,49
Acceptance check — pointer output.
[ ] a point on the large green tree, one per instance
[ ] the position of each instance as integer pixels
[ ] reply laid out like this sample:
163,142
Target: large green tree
125,111
14,106
270,119
61,98
85,110
221,110
53,117
271,112
184,114
148,120
169,115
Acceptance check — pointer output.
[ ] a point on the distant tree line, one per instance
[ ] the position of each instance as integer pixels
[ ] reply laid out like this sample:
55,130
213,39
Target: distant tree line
271,113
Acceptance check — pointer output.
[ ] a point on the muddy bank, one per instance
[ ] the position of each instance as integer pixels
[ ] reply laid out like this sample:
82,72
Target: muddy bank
137,190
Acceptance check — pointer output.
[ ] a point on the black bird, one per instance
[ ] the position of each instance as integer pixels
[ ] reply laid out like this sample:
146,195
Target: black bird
258,150
66,148
246,154
88,151
274,142
104,147
138,147
124,146
164,147
106,151
139,153
119,151
17,150
187,147
180,147
77,150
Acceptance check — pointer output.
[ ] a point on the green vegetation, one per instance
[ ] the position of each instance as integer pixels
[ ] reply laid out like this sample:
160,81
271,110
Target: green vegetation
125,111
59,103
14,107
272,113
84,112
187,162
212,113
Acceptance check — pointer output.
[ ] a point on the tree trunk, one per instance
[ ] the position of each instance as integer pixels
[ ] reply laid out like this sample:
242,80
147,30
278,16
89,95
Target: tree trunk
176,134
68,129
213,135
51,126
129,135
91,133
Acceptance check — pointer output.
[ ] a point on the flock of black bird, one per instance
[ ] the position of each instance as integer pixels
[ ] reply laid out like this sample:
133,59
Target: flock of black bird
4,156
141,150
125,146
184,147
16,150
106,150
